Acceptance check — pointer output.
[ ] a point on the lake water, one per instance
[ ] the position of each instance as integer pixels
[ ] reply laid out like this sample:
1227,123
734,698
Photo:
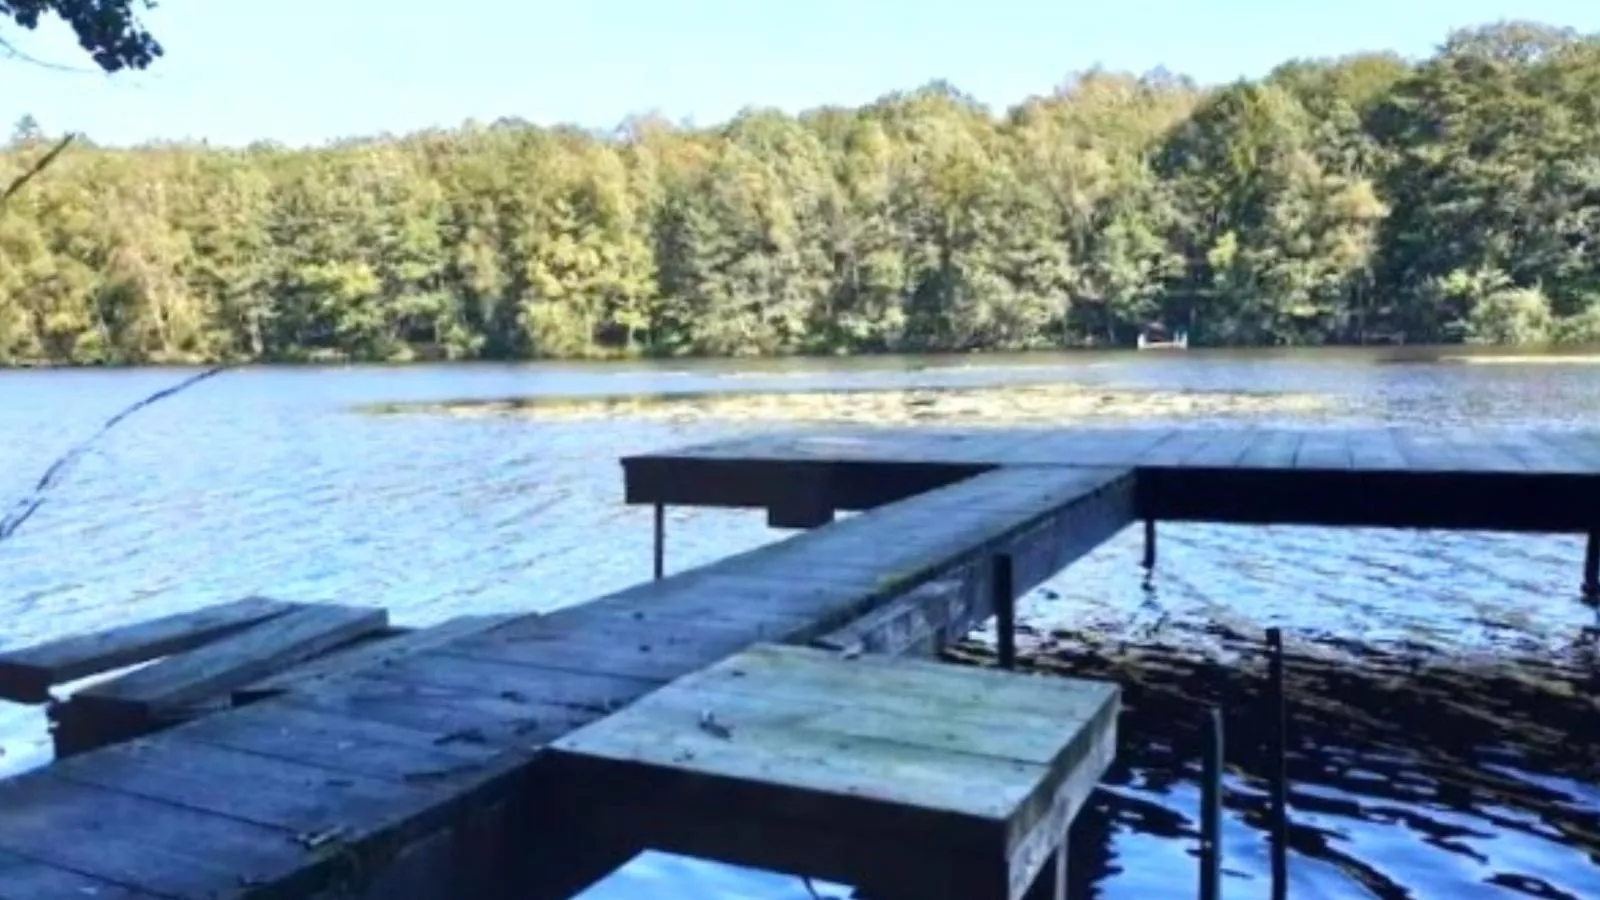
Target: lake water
267,481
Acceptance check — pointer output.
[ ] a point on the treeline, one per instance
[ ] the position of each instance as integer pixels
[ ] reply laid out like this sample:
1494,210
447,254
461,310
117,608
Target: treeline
1362,199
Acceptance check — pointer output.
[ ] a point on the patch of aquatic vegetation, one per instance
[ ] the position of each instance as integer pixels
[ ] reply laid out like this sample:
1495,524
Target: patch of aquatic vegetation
972,406
1553,359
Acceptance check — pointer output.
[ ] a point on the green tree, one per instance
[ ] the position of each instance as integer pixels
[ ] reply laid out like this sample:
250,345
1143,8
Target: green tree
108,30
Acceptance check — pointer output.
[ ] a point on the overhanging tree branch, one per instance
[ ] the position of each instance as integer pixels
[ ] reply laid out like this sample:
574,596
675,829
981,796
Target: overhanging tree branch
108,30
39,165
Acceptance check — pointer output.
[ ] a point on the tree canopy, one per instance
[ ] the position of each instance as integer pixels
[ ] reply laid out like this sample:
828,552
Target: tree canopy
1456,198
108,30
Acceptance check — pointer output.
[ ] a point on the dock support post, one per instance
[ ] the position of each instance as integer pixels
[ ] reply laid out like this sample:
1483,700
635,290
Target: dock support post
1149,544
1211,808
1052,881
661,541
1001,584
1278,776
1591,567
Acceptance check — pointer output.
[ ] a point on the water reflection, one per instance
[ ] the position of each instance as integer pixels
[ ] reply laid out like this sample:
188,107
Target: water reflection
1451,768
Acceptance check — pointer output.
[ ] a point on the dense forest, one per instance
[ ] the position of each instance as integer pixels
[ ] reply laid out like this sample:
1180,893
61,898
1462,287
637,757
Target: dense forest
1364,199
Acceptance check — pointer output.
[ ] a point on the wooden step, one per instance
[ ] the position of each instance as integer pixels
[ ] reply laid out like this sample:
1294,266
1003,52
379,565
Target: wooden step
27,674
906,777
184,685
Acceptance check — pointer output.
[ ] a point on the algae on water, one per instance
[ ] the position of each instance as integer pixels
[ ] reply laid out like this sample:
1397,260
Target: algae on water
990,405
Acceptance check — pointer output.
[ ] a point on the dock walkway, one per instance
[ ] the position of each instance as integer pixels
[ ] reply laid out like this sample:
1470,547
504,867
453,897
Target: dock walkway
416,776
1457,478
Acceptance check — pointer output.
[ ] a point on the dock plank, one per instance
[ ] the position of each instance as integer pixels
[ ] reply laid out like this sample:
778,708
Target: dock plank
1536,454
919,622
598,693
235,661
1472,451
451,715
27,879
365,656
1117,448
1180,445
1323,449
1224,450
1582,446
337,742
1428,451
573,644
1272,449
27,674
145,845
293,797
1376,449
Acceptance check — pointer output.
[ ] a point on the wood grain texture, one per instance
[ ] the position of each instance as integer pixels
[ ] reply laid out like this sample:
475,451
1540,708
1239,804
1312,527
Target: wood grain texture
27,674
917,623
235,661
775,738
369,655
22,878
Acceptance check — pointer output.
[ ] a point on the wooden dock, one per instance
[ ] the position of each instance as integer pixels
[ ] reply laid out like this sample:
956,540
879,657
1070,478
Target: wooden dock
353,771
425,770
1383,477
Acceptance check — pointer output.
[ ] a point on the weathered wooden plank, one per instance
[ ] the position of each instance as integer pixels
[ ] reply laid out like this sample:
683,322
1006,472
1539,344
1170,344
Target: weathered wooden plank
1120,447
1427,451
337,742
1376,449
292,796
153,847
1583,446
1179,446
1272,449
916,623
451,715
642,655
27,674
1473,452
1535,454
1322,449
918,720
22,878
895,681
1224,450
720,594
235,661
375,654
598,693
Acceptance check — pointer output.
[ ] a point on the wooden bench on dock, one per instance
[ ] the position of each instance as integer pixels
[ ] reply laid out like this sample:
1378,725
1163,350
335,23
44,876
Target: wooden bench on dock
909,779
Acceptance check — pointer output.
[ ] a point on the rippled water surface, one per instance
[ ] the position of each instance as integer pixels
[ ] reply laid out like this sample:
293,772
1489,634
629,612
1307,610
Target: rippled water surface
1425,769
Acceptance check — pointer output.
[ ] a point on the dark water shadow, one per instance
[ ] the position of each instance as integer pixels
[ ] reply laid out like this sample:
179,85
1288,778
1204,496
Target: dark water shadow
1413,775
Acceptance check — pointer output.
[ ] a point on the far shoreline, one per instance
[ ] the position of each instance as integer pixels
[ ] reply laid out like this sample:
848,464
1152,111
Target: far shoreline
1445,354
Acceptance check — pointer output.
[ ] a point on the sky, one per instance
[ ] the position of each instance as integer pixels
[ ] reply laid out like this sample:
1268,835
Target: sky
307,71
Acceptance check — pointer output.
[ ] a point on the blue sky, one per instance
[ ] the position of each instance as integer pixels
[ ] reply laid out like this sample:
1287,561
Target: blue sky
305,71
